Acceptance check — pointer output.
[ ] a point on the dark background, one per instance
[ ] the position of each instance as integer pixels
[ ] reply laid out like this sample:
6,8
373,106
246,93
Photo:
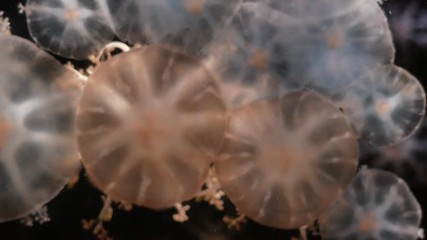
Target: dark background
408,21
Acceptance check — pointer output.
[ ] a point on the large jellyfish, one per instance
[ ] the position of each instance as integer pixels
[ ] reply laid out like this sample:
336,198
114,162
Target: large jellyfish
187,24
285,159
149,122
70,28
385,106
377,205
38,153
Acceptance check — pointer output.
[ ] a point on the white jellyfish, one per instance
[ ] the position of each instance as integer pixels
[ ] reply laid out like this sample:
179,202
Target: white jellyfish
285,159
334,52
187,24
385,106
150,121
70,28
377,205
38,153
250,57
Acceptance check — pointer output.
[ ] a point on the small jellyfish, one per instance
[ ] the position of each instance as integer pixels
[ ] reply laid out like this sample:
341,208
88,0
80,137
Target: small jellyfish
149,123
385,106
334,52
285,159
377,205
187,24
38,153
70,28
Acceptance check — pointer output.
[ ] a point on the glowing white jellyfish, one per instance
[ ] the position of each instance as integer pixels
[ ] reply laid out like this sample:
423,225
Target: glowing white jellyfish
377,205
149,123
187,24
334,52
38,153
70,28
385,106
285,159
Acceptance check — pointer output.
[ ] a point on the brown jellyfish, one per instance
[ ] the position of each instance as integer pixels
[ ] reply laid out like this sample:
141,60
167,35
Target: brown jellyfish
286,159
38,152
149,123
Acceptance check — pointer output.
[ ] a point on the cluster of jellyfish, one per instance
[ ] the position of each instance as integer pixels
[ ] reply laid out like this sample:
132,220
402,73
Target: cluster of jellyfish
272,96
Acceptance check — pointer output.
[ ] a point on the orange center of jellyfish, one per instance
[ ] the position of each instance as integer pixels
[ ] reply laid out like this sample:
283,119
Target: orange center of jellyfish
151,129
258,60
195,6
280,159
5,129
71,15
368,223
335,39
382,107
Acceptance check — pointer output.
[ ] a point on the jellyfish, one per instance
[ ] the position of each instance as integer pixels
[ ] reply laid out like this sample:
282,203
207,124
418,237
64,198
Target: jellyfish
377,205
149,123
250,58
38,152
186,24
334,52
70,28
285,159
385,106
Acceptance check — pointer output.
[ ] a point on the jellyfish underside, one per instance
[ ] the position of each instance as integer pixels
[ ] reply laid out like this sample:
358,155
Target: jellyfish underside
285,159
149,122
70,28
377,205
37,150
385,106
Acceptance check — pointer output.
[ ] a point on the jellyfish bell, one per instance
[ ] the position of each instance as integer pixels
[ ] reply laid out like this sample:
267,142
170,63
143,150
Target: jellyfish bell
38,152
150,121
187,24
376,205
250,57
285,159
70,28
385,106
334,52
